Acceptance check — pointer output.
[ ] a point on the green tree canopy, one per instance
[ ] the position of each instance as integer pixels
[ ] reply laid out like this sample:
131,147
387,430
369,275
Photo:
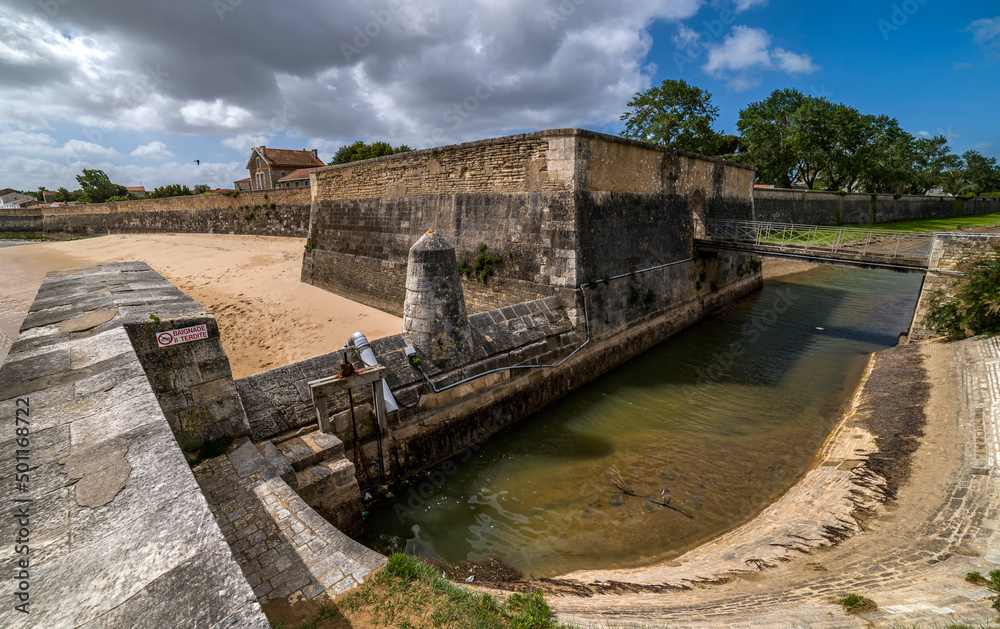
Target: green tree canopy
360,150
766,128
172,190
674,114
98,188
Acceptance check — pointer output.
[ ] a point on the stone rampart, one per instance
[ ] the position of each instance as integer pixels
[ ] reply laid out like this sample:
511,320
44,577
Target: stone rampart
807,207
547,211
113,530
262,213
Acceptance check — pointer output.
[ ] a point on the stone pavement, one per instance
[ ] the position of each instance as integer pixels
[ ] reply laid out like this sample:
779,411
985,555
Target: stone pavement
103,524
283,546
910,558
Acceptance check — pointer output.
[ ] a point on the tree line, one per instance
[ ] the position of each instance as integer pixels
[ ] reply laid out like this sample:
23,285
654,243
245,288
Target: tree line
97,187
791,137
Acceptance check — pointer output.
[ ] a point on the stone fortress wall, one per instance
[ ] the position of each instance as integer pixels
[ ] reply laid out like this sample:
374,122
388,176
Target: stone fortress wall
558,208
811,207
283,212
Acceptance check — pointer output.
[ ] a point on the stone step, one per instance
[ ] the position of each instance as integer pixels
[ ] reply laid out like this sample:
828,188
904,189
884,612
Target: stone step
309,450
332,490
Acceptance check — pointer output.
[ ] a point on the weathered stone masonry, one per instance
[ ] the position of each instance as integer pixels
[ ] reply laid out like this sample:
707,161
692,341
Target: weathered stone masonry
559,208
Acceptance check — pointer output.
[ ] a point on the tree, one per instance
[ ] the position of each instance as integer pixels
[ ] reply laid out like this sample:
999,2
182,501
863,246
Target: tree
766,129
98,188
932,159
63,195
674,114
172,190
202,188
981,172
359,151
38,194
888,158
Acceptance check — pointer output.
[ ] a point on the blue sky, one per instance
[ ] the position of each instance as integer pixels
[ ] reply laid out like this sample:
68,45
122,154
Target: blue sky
142,88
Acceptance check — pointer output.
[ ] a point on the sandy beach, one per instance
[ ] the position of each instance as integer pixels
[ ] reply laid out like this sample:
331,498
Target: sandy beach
266,316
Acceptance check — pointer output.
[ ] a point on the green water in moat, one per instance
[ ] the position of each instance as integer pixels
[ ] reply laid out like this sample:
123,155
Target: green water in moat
722,418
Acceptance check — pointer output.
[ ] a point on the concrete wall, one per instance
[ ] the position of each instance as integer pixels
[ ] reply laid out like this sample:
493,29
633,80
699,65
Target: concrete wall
555,206
114,531
245,213
823,208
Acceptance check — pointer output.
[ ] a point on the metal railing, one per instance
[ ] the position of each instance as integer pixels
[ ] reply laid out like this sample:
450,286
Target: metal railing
831,242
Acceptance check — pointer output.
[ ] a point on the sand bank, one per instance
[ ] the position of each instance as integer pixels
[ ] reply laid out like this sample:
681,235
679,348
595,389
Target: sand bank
266,316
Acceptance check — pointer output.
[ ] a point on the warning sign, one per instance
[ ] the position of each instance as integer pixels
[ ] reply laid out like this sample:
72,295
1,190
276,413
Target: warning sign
184,335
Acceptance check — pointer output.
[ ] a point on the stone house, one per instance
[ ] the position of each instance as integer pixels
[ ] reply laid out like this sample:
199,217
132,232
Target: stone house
267,166
296,179
9,195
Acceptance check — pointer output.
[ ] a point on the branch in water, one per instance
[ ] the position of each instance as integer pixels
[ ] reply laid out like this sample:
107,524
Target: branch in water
619,481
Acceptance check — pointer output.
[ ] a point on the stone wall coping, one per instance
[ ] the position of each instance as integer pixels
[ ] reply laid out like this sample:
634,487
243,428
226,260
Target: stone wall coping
534,135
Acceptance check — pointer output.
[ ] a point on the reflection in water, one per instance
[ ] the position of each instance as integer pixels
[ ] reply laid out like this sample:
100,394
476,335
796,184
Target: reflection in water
721,419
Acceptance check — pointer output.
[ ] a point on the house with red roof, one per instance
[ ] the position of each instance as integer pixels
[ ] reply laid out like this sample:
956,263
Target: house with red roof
137,191
295,179
267,166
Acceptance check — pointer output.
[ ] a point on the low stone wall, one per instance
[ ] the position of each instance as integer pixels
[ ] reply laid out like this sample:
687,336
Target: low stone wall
192,380
262,213
283,546
948,252
106,526
808,207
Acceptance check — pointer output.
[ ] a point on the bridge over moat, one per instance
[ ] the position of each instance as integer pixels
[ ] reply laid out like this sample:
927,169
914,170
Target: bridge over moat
906,252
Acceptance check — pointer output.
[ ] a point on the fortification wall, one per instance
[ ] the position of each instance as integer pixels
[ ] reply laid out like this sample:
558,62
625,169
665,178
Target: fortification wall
262,213
117,531
832,208
552,209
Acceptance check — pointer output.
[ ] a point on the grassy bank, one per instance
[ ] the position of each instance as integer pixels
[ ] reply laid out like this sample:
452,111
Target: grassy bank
408,593
938,224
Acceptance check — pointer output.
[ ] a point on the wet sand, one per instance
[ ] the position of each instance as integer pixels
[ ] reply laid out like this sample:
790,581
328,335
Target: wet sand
266,316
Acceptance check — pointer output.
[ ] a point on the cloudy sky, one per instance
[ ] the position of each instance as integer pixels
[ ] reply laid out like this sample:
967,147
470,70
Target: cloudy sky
143,88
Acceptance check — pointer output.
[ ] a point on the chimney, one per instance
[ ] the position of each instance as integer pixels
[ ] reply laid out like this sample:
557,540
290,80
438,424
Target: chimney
315,153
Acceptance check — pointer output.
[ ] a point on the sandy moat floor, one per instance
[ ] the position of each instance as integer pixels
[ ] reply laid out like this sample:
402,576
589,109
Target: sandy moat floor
266,316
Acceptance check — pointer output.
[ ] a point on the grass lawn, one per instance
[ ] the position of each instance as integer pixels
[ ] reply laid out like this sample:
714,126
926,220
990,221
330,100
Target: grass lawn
410,594
937,224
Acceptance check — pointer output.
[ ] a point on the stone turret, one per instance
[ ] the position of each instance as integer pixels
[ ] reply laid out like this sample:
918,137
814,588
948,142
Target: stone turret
434,316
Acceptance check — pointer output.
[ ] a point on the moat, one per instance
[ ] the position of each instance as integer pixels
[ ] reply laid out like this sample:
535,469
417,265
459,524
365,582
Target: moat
721,419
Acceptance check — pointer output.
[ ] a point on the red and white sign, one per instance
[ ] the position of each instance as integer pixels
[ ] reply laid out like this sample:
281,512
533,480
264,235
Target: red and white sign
184,335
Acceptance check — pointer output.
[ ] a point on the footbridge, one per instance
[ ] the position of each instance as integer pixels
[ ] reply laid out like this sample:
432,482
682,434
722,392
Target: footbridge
905,252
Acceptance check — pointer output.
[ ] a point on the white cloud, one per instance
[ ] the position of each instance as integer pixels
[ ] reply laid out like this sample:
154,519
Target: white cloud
87,150
244,142
685,37
214,114
986,32
793,63
746,52
746,5
745,48
153,150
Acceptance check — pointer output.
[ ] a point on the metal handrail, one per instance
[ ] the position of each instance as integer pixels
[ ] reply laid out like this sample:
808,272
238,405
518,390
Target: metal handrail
820,239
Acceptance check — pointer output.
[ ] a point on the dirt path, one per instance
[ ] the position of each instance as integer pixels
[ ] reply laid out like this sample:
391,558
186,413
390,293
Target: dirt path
266,316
